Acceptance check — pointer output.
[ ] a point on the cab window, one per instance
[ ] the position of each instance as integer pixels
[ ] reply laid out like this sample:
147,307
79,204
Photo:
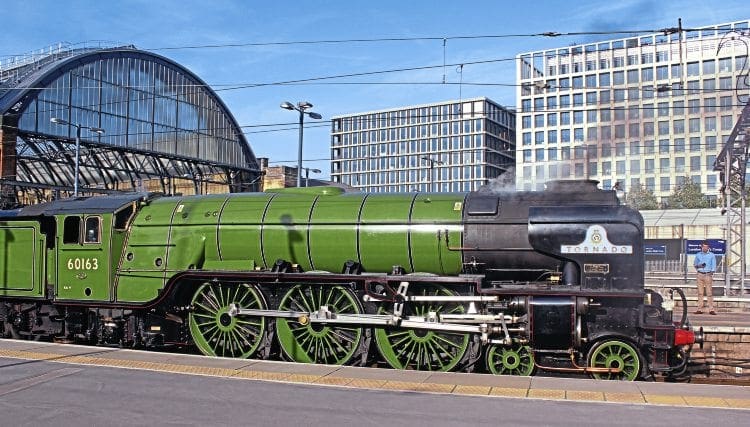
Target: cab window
93,230
71,229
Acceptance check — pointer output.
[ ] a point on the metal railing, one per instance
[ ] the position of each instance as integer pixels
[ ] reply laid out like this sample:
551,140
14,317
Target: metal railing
12,65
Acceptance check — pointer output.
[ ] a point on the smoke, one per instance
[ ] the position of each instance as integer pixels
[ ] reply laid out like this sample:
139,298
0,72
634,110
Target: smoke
505,182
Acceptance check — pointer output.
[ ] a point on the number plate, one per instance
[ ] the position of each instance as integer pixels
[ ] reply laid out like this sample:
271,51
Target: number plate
83,264
596,268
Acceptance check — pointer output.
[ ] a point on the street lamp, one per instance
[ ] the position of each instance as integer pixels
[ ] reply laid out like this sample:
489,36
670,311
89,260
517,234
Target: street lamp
301,107
432,166
307,175
98,131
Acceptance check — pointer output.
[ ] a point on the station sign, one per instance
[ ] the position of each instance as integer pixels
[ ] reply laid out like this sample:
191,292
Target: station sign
718,246
655,249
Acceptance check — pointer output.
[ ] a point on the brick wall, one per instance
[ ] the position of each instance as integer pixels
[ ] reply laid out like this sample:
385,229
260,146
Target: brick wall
723,352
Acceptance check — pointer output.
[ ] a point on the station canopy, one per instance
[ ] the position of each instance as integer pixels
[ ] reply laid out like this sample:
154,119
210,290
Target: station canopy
160,121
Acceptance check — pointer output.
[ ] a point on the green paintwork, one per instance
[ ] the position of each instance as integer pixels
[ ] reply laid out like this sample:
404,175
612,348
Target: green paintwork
311,191
419,349
285,229
505,360
215,332
139,278
22,264
239,229
333,239
315,229
384,232
84,269
193,238
315,342
615,354
432,214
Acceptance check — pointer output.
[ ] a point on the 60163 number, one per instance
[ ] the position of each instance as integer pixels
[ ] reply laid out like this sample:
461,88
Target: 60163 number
83,264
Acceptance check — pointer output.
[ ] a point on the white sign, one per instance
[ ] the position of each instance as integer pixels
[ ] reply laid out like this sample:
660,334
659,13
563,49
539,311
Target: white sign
596,242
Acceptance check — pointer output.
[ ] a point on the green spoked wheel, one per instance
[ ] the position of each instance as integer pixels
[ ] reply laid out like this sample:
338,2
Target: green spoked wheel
615,354
422,349
215,332
332,344
510,360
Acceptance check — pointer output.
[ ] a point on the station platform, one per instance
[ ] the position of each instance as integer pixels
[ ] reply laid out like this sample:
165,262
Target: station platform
490,386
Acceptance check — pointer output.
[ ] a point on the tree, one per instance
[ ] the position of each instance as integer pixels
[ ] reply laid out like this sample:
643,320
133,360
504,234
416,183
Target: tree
687,195
642,198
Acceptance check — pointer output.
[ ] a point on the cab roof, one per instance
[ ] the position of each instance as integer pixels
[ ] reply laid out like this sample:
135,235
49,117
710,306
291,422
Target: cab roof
82,205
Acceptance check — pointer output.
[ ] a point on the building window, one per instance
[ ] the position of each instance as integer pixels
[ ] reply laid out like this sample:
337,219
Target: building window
647,74
678,126
695,164
664,165
618,77
709,66
620,167
662,72
632,76
663,146
649,166
679,145
664,184
679,164
727,123
693,69
725,65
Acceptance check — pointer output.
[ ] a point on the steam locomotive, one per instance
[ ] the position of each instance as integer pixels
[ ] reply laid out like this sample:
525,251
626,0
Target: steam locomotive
507,282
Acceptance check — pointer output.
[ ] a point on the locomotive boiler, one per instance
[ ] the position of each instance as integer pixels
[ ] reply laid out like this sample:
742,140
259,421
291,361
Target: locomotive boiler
508,282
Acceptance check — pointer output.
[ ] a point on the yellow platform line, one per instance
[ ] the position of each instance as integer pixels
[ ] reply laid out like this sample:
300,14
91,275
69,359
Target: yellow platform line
584,395
509,392
333,380
664,399
541,393
472,389
401,385
624,397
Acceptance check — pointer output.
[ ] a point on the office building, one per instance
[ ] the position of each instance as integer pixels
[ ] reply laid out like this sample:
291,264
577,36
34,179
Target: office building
652,109
446,146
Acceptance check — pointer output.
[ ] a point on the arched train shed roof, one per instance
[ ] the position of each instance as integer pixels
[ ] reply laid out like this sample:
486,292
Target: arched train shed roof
159,119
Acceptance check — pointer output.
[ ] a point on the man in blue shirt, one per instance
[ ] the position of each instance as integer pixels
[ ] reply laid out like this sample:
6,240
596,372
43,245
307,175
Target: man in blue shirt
705,264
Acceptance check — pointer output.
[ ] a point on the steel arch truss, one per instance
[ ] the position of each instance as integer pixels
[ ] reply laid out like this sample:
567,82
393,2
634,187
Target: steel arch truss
48,163
732,164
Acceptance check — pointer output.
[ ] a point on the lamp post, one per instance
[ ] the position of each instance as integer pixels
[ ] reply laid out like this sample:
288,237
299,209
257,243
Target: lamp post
301,106
432,166
307,175
78,127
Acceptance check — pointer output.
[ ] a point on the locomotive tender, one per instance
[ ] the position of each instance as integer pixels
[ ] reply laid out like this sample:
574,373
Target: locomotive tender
503,281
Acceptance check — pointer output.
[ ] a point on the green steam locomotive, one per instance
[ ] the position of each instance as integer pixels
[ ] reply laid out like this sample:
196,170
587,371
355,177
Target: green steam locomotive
510,282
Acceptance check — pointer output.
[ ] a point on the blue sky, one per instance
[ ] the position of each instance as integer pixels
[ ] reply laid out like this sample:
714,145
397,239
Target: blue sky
166,27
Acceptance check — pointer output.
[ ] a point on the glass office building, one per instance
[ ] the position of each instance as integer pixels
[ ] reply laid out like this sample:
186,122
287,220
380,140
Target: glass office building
652,110
446,146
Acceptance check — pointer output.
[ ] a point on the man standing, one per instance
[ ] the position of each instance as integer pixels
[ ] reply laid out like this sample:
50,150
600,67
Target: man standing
705,264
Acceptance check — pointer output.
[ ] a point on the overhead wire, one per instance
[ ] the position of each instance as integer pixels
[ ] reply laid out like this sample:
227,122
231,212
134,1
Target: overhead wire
317,80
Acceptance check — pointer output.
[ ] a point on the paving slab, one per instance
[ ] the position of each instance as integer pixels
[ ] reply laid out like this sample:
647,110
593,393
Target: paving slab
10,344
291,368
214,362
583,384
487,380
382,373
709,390
58,350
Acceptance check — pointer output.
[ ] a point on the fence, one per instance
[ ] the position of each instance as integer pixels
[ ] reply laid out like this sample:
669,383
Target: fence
676,266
